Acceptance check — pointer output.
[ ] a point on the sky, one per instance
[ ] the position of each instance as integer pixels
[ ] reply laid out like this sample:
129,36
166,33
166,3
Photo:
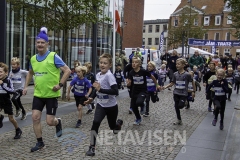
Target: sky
159,9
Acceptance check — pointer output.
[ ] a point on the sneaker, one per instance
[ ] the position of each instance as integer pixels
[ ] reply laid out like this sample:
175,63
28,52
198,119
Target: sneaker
18,113
221,126
59,128
78,123
24,116
142,112
178,122
18,134
214,122
157,99
137,121
119,124
1,121
38,146
93,106
146,114
122,88
187,107
91,151
89,111
209,109
229,99
130,111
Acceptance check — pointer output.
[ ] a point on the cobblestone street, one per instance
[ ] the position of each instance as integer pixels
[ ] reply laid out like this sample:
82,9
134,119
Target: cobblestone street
133,142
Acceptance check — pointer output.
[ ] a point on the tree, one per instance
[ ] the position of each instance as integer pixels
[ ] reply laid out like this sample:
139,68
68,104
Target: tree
60,15
185,28
234,6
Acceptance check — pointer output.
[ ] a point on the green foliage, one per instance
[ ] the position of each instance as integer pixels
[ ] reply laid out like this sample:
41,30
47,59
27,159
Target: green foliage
59,14
185,28
235,16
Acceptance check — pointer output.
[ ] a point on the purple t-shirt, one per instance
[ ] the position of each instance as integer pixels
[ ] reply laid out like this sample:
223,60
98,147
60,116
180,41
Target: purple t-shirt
80,86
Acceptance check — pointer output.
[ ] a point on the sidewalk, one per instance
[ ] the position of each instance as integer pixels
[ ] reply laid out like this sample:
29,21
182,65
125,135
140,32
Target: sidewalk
210,143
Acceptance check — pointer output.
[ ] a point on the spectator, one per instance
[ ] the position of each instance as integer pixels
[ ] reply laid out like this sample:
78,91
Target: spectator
123,59
215,59
118,60
223,61
172,64
196,60
231,61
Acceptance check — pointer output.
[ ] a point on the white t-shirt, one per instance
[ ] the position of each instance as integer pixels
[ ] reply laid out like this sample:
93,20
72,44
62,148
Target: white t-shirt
106,81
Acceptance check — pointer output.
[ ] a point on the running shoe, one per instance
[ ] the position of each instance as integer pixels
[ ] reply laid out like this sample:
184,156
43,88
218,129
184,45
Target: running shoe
78,123
1,121
209,109
18,134
221,126
89,111
137,121
119,124
59,128
24,116
18,113
214,122
146,114
91,151
178,122
38,147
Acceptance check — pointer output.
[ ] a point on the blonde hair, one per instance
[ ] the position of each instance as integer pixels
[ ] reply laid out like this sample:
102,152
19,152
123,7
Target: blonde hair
221,71
137,58
15,60
4,67
163,65
108,56
195,67
230,69
181,60
152,63
164,62
89,66
76,63
81,68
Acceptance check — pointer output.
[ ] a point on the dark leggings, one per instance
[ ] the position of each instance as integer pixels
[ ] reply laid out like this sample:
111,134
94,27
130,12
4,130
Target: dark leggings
17,101
100,113
153,96
237,85
137,101
229,93
220,108
179,104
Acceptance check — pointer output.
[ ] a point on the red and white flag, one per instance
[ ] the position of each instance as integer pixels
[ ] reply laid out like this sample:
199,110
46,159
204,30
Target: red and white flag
117,21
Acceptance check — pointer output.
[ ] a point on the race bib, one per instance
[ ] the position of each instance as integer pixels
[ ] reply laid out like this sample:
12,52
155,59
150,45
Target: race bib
180,84
102,98
138,80
219,91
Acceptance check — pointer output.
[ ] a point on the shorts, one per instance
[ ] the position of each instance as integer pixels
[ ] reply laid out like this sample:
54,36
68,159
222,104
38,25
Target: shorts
51,105
80,100
6,104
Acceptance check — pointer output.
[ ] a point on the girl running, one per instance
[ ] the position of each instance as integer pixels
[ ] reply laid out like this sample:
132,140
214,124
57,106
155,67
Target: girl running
230,79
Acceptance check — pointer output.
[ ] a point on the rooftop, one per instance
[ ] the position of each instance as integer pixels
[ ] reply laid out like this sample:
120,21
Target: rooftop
156,21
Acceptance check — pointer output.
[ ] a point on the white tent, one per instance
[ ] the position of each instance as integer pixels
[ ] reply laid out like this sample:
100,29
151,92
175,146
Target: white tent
191,51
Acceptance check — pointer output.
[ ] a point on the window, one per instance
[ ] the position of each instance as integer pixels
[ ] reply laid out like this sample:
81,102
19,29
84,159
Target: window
156,41
228,35
143,41
229,19
157,28
217,20
164,27
206,36
195,22
149,41
217,35
150,29
206,21
144,27
205,49
226,51
175,22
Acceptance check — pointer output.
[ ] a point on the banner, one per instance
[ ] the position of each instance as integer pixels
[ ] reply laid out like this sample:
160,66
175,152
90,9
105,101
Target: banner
201,42
161,41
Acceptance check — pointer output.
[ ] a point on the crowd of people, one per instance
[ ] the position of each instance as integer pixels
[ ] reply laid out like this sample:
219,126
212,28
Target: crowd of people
217,74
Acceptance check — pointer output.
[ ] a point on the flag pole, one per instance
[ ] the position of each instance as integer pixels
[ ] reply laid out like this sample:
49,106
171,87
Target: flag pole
114,37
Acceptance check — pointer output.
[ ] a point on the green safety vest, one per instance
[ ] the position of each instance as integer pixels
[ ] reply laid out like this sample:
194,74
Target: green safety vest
47,75
138,54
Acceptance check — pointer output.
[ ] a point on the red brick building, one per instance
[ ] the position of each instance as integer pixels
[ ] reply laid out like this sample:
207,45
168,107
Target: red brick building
133,19
213,17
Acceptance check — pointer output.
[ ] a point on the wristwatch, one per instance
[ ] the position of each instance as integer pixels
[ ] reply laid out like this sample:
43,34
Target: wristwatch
60,84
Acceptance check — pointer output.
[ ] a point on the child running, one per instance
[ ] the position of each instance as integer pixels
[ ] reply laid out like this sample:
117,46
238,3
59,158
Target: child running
91,77
220,87
18,77
82,89
191,88
197,77
105,89
6,88
151,87
230,79
206,76
162,75
180,79
138,79
119,77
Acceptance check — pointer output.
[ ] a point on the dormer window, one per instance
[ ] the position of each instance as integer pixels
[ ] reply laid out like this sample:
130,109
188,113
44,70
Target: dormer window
217,20
206,21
